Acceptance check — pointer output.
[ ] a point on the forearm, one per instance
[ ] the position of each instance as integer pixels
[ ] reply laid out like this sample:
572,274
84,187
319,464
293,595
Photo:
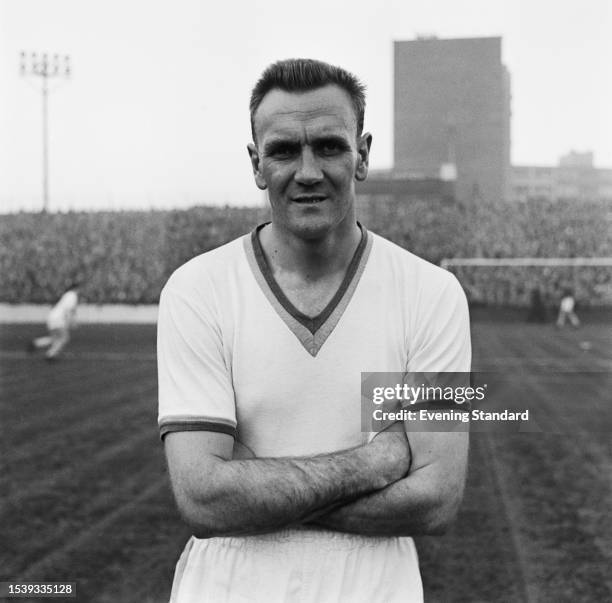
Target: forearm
262,495
425,502
409,507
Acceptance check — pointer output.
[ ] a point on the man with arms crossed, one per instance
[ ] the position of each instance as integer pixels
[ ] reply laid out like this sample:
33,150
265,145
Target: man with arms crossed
261,343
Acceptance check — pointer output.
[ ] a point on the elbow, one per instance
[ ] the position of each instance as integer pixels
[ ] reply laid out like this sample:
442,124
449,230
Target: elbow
442,515
202,531
203,492
204,511
200,518
439,523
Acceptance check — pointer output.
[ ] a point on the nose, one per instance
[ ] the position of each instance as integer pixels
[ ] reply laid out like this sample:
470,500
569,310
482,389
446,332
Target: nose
309,171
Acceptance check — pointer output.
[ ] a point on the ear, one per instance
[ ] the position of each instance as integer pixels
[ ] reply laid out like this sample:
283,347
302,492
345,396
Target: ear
255,164
364,142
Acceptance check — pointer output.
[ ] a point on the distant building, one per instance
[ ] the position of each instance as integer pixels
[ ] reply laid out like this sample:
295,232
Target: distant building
385,184
452,115
575,178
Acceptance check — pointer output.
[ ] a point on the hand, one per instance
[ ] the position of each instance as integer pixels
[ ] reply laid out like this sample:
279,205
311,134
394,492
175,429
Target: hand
391,451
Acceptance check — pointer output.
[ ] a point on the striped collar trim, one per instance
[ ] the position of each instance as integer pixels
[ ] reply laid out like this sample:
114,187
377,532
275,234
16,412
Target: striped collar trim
312,332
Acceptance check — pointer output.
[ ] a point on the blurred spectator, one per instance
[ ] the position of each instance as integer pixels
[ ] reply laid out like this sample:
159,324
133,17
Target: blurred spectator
129,255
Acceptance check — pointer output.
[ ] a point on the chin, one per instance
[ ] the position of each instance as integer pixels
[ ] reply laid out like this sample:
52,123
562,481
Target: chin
311,229
312,223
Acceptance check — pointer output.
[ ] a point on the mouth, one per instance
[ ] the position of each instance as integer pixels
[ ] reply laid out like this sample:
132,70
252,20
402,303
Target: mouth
309,199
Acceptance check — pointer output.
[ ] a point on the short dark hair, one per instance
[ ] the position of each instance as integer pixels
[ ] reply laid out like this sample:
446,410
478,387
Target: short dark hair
302,75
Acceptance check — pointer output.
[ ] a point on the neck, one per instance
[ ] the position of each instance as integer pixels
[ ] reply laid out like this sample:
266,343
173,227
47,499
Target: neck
312,258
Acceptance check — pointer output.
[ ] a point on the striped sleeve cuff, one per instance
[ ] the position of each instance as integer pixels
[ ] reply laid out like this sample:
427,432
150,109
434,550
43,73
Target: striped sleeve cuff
170,424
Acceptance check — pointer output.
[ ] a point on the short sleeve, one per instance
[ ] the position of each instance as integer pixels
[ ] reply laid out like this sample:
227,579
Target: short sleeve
442,340
195,389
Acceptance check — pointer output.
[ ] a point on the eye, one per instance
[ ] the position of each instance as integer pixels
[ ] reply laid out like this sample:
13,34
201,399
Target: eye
331,147
282,151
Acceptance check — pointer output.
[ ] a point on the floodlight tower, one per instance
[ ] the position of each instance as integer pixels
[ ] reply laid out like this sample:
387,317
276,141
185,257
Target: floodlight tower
45,66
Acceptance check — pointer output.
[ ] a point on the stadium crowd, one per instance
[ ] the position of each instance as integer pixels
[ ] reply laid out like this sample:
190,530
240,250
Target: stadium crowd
126,257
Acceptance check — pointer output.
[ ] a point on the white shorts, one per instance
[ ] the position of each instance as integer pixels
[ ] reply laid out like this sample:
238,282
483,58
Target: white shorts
56,324
305,566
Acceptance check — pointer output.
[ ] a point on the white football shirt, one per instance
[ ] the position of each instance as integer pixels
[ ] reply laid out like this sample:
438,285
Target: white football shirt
235,356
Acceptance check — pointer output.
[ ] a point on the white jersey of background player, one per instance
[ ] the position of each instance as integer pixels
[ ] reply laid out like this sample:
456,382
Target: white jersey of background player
566,310
260,348
60,320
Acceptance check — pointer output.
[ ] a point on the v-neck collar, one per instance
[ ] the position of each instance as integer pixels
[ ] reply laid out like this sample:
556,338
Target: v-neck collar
311,331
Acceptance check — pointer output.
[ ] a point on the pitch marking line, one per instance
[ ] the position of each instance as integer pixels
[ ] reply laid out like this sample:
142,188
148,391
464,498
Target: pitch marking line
120,356
68,473
95,531
530,593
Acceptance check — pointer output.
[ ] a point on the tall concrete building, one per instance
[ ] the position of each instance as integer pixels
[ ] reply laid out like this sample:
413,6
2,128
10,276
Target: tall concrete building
452,115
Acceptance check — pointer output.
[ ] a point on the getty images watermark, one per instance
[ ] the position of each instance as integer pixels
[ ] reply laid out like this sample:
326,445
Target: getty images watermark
439,402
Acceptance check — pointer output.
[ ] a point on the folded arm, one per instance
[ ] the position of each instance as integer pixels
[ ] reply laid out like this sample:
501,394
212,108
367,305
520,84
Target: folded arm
424,502
221,496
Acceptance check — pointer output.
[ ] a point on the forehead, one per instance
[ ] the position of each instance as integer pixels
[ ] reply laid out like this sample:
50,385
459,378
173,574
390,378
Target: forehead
324,110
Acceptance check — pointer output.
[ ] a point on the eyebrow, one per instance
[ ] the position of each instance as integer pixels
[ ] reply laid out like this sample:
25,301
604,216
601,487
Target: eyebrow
332,138
274,144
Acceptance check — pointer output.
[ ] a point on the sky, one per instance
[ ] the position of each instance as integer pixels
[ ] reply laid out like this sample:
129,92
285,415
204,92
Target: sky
155,114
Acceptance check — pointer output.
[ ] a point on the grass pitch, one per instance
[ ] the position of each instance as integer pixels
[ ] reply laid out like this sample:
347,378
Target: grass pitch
85,495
